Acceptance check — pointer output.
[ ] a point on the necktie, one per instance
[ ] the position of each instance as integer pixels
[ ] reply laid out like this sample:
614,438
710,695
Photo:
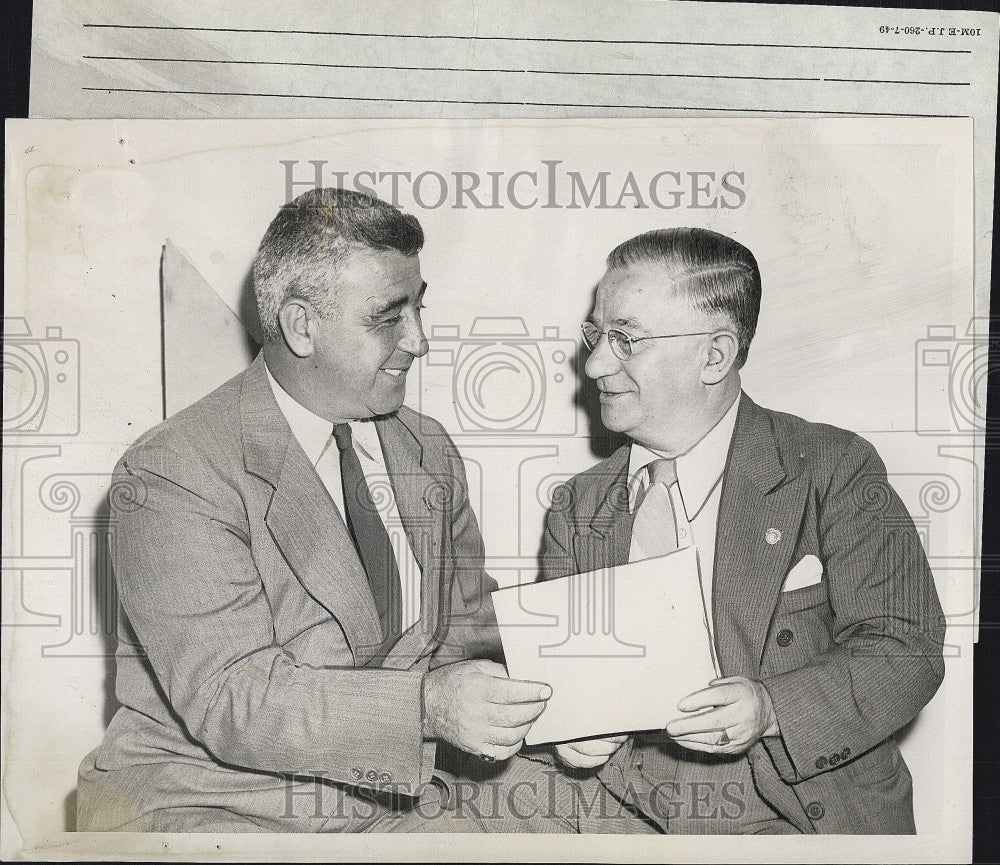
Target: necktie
370,538
654,531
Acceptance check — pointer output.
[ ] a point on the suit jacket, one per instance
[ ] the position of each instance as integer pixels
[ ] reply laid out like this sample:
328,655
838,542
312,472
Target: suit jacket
249,623
847,661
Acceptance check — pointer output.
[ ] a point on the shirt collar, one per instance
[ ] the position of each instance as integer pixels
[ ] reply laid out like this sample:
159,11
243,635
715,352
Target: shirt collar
313,433
698,471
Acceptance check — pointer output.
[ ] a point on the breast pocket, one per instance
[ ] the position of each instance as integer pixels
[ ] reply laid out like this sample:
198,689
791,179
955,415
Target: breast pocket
803,599
800,629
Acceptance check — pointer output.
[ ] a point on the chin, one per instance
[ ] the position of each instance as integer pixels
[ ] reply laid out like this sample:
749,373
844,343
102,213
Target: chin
615,421
385,406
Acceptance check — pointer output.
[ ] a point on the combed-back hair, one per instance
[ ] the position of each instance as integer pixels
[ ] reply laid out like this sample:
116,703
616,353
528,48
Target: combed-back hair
716,273
311,237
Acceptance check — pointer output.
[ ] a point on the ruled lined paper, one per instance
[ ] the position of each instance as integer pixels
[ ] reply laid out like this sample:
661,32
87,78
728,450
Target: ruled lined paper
310,59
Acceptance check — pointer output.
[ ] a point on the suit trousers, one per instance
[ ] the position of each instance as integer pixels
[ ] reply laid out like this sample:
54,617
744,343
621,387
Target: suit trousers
688,792
530,793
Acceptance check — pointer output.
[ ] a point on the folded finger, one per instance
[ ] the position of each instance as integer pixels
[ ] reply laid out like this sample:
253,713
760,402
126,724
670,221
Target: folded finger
502,752
596,747
514,714
582,761
694,745
507,736
716,695
707,722
701,738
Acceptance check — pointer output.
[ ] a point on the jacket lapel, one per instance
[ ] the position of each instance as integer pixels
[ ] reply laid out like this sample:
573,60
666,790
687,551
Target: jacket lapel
607,537
303,520
416,492
760,512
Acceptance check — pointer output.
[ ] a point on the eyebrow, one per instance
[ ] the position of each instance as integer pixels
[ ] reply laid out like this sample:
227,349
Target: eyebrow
630,323
396,305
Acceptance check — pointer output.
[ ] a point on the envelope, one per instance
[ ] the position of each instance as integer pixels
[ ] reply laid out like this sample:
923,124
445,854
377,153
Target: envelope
807,572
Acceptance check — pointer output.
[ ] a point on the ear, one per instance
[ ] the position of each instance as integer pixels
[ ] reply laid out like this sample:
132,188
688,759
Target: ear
298,322
721,359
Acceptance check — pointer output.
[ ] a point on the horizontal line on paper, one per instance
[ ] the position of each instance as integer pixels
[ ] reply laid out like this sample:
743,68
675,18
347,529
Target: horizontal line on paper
525,38
525,104
524,71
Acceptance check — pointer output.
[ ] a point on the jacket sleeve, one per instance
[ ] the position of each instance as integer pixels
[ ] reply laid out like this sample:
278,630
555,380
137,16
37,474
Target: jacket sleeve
888,628
190,588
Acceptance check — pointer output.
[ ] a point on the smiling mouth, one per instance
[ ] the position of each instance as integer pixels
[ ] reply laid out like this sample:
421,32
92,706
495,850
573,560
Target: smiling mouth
395,372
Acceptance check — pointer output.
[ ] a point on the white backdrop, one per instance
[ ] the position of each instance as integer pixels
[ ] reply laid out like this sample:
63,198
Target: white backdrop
863,233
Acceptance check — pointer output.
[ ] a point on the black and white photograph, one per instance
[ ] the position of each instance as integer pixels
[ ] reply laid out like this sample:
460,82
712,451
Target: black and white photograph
568,480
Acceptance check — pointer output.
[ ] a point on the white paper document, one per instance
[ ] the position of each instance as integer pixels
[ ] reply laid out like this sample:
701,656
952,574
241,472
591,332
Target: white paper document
620,646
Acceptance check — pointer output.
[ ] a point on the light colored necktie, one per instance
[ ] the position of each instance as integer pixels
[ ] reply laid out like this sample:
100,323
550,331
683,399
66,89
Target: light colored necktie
654,530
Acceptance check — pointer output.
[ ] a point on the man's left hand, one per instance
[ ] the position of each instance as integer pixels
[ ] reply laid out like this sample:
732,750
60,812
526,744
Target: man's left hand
739,710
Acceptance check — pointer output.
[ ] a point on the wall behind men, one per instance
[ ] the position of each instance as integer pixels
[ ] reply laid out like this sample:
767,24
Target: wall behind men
862,229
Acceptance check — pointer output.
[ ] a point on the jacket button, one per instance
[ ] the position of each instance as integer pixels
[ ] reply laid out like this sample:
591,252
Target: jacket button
834,759
356,773
371,775
845,753
814,811
384,778
821,762
785,637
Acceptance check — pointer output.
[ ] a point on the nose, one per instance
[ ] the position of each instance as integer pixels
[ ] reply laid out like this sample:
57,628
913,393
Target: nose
602,360
413,340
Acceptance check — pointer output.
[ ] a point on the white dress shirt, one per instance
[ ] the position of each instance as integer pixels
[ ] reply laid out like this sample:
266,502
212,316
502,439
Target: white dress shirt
315,435
695,496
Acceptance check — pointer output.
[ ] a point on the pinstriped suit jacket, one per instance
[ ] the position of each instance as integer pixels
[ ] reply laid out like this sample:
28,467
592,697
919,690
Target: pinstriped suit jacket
249,621
861,651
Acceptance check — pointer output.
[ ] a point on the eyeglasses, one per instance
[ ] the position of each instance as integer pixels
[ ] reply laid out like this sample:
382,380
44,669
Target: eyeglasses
621,342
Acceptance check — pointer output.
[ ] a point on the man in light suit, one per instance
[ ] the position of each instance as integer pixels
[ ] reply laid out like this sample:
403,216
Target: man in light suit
306,616
826,624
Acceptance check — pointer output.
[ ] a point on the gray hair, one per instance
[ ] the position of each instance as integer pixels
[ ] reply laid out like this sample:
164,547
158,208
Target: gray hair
716,273
312,236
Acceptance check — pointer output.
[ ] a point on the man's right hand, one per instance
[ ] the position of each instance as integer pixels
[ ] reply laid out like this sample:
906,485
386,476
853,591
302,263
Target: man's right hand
589,753
476,707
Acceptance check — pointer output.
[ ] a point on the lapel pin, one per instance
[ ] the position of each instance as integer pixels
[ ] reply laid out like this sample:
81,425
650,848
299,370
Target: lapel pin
772,536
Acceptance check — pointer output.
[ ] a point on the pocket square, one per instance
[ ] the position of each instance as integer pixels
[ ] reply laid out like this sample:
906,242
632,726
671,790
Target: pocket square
807,572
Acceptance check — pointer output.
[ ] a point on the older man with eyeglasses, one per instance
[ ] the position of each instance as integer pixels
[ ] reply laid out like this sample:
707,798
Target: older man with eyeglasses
823,611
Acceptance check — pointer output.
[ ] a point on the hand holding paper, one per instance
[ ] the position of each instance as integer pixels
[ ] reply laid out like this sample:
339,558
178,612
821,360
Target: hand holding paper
737,707
473,705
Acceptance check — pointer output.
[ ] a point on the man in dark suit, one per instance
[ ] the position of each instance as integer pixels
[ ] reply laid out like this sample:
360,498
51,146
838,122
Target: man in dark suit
824,616
305,611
